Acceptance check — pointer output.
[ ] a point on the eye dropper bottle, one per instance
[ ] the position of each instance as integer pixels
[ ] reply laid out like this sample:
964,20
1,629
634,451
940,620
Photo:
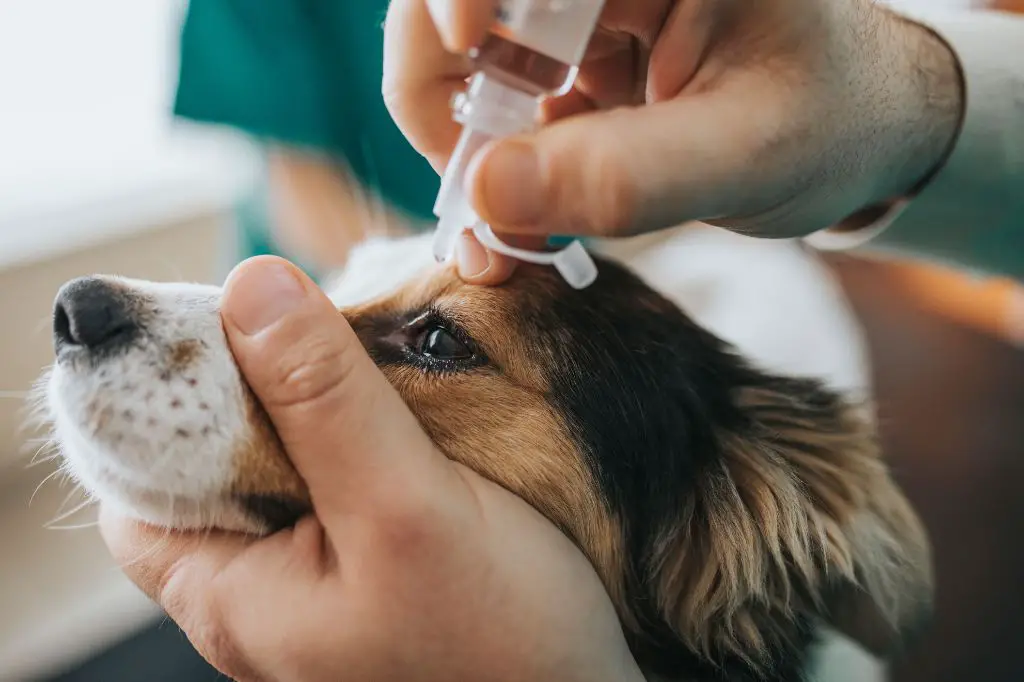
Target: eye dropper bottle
532,52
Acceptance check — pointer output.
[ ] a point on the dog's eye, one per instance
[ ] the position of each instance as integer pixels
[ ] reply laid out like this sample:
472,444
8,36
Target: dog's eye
440,344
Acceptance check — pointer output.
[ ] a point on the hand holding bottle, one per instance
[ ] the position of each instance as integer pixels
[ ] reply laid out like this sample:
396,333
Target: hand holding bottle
777,118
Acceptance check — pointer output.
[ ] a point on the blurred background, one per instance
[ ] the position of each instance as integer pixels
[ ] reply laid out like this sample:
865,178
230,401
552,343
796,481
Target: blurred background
97,175
93,178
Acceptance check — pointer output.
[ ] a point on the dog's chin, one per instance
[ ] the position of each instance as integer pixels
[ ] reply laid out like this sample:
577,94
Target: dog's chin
151,428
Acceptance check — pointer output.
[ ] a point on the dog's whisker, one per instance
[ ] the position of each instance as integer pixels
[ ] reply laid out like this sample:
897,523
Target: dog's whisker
83,526
40,461
47,450
61,517
67,498
44,453
39,487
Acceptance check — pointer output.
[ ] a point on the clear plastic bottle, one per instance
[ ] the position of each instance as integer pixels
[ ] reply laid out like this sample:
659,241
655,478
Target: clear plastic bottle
537,45
533,51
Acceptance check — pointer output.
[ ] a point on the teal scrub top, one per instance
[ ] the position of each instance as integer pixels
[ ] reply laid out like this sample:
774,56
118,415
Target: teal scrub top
305,73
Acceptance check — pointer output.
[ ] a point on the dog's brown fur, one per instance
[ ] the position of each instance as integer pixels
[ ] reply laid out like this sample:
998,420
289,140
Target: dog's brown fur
782,515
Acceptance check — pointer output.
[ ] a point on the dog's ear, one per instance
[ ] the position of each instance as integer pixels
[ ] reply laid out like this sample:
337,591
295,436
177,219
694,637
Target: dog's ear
887,605
797,520
877,572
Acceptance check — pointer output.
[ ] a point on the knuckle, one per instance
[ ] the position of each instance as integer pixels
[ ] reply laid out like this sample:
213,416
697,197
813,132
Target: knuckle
616,196
216,637
173,593
609,195
310,372
215,643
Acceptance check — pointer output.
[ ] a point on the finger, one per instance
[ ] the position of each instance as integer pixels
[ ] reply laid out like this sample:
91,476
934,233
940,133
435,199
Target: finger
420,79
642,19
616,78
462,23
681,46
178,576
347,431
179,571
170,567
478,265
570,104
421,76
629,170
614,71
206,581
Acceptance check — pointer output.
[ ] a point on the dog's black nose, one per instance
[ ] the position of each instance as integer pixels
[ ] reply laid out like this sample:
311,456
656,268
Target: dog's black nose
92,313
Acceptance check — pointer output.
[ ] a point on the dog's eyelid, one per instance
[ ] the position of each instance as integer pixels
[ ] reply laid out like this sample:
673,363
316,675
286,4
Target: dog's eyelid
434,316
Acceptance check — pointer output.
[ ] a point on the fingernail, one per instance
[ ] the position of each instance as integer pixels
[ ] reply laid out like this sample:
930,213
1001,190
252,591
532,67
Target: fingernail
472,258
258,295
511,185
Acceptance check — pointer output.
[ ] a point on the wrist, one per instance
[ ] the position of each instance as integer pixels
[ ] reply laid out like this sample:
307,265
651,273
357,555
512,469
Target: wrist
938,87
929,114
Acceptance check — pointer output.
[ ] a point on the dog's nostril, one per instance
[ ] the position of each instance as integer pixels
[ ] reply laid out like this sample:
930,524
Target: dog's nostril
90,312
61,325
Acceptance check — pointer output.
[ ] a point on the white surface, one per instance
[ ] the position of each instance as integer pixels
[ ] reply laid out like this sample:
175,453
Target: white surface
88,149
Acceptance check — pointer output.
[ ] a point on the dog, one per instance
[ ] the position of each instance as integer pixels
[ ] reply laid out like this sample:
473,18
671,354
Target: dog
736,514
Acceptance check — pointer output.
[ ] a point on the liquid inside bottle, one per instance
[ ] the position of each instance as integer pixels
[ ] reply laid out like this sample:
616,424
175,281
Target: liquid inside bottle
523,68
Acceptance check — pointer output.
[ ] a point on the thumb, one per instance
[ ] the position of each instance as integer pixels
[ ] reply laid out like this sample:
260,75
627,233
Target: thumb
346,430
630,170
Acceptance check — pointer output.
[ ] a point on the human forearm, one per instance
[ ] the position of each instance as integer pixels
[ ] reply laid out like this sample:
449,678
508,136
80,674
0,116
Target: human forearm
320,211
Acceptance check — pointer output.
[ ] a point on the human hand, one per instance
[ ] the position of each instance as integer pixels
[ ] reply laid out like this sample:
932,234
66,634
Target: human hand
775,118
414,567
